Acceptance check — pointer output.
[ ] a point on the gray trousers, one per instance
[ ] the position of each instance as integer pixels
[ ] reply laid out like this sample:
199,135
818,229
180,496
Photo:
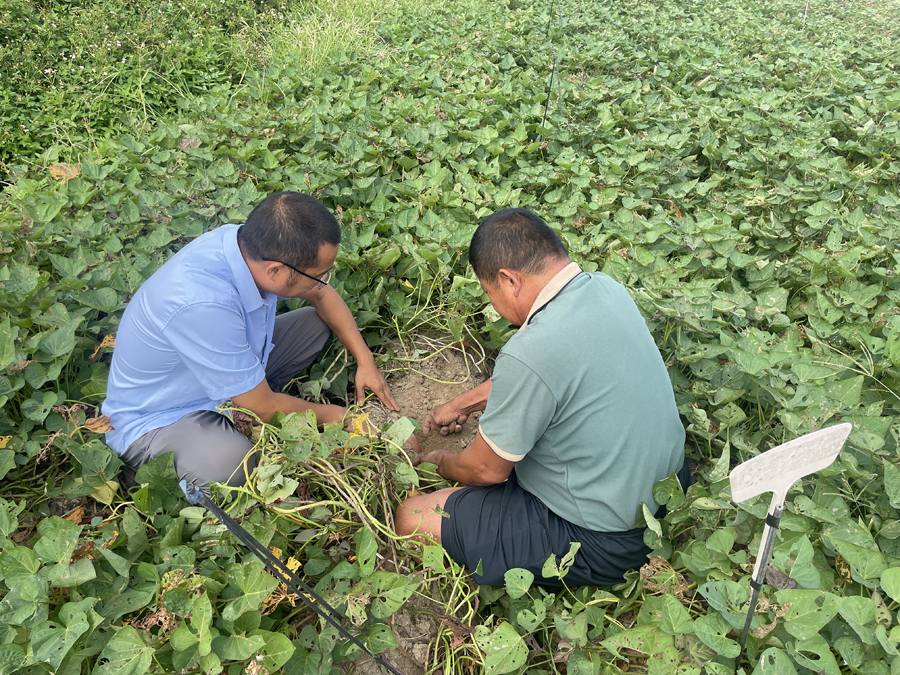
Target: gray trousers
206,446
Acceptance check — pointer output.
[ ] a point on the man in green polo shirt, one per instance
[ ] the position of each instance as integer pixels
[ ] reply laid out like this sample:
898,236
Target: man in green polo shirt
579,423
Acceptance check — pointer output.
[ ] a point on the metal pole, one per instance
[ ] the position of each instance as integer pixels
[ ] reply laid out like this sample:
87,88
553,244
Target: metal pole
766,544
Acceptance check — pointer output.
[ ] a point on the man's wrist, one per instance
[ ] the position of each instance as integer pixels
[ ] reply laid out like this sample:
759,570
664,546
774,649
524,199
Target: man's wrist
331,414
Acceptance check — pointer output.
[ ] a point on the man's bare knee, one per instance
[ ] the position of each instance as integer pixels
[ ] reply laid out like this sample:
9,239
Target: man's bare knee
408,518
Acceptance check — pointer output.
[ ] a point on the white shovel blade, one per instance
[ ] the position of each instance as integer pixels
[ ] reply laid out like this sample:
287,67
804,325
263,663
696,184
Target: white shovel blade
777,469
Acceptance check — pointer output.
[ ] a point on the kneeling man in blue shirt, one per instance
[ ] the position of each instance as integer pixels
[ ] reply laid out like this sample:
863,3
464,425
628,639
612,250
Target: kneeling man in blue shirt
204,329
579,421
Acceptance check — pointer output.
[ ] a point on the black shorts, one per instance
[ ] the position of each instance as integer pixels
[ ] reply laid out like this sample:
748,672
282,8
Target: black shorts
504,526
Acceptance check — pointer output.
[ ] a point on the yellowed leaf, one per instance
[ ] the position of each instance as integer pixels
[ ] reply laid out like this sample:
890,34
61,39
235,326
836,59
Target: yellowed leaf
4,440
106,493
64,172
99,425
75,515
108,341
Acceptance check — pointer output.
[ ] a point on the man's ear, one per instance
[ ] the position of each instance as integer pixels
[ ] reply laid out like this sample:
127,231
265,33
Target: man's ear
510,280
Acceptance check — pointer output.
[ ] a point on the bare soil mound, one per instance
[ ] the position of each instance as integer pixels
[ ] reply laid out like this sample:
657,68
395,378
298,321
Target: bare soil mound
426,371
415,626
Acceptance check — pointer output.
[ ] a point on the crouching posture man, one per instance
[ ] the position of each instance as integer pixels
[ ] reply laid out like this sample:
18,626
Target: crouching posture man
579,423
203,329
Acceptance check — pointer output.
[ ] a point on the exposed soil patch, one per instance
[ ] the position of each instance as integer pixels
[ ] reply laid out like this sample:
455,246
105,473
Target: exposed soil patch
429,370
415,626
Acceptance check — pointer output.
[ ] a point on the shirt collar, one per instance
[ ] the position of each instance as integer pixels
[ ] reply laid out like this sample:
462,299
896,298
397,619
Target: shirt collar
250,296
559,281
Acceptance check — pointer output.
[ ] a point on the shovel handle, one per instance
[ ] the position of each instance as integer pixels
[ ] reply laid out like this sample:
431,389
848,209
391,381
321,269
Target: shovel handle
766,544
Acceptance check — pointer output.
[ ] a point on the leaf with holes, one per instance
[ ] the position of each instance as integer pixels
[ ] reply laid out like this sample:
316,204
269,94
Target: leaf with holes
503,648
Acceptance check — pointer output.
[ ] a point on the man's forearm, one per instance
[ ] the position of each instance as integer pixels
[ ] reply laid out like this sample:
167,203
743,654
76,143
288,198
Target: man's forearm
291,404
477,465
473,400
337,316
453,466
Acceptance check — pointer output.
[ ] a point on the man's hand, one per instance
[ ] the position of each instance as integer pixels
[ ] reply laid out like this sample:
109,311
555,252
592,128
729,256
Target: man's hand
448,418
433,457
368,377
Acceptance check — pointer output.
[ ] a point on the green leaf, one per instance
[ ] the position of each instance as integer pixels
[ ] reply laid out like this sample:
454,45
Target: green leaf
866,566
124,654
406,475
7,462
39,405
119,564
161,479
201,620
433,557
7,342
388,591
773,661
25,604
669,493
69,575
573,628
18,562
722,466
58,539
11,657
504,650
530,619
254,584
730,598
366,551
61,342
237,647
182,638
400,431
675,619
859,612
50,641
892,349
518,581
892,483
648,640
380,638
801,650
890,582
809,611
277,649
713,630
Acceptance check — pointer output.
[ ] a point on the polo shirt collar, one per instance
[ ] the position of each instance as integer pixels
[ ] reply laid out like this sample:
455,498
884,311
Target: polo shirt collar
243,280
559,281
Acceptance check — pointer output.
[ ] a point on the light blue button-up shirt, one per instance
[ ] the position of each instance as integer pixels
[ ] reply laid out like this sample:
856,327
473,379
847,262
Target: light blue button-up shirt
196,333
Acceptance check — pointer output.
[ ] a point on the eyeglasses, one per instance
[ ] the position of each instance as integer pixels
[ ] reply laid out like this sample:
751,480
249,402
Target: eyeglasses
321,282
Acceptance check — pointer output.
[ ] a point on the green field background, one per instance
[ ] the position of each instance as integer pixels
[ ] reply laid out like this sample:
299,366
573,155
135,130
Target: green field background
734,164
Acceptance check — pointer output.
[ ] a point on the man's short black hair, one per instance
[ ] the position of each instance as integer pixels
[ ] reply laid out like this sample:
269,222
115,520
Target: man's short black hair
514,239
288,227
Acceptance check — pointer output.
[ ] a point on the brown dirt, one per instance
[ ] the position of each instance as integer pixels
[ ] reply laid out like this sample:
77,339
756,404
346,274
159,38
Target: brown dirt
414,626
430,370
426,371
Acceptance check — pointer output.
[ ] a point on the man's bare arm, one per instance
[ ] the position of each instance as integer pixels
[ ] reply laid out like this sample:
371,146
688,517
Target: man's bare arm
476,465
264,402
450,416
332,309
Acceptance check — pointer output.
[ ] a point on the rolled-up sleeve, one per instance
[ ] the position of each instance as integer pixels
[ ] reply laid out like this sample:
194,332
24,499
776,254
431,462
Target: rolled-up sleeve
519,409
211,340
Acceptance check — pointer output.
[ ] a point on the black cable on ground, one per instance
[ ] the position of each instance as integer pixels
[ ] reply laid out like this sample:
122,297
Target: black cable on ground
279,569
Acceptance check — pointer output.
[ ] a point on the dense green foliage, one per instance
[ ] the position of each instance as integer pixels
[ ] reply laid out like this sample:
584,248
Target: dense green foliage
734,166
77,71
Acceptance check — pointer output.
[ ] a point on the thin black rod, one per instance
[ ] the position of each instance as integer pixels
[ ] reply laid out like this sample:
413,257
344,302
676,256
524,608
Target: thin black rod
281,571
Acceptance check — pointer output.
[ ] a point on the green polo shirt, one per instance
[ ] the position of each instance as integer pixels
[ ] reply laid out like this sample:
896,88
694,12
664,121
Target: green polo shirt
581,400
